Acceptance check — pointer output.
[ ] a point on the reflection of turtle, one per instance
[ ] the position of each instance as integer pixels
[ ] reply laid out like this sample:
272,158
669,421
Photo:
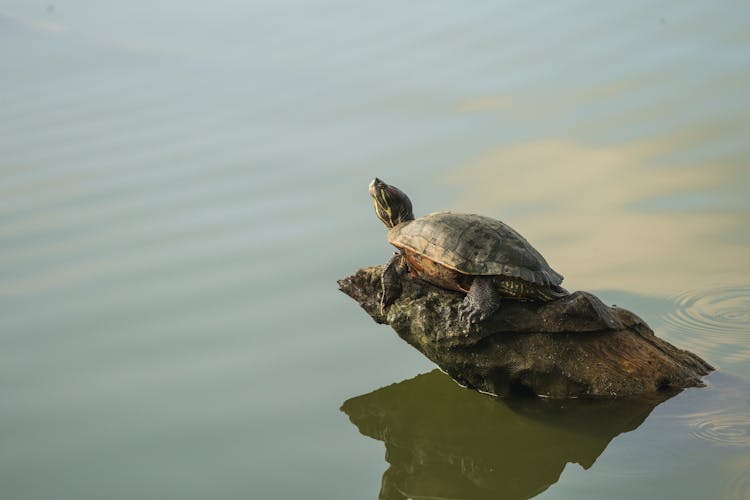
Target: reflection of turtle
445,442
477,255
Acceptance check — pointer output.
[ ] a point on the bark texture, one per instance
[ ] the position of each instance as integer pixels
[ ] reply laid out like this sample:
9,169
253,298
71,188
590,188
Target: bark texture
571,347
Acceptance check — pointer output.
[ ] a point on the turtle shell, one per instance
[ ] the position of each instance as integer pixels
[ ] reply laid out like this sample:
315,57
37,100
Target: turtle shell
474,245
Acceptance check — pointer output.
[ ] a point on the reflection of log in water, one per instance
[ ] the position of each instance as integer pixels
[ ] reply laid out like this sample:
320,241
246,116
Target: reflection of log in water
446,442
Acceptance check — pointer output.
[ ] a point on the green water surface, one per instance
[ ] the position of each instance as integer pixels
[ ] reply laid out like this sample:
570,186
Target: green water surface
181,184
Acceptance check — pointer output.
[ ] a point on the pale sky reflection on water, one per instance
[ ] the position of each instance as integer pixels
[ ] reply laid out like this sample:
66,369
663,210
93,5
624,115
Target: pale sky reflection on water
586,208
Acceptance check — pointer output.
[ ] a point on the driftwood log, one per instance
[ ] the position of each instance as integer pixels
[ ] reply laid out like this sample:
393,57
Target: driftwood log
571,347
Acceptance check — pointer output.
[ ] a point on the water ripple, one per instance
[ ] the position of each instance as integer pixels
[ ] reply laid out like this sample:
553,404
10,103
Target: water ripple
725,428
720,415
715,321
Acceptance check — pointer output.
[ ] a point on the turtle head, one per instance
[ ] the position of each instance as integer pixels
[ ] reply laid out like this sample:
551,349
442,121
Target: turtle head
392,206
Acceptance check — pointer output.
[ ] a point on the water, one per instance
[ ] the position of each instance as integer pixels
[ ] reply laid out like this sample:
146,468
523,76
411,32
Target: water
182,184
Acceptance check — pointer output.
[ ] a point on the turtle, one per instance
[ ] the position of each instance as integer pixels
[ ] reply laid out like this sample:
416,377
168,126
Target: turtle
476,255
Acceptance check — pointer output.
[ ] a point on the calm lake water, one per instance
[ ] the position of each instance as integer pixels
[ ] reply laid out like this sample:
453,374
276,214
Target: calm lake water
183,182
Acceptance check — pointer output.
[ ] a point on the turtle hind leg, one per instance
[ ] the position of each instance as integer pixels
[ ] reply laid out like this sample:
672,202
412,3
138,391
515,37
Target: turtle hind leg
391,280
482,300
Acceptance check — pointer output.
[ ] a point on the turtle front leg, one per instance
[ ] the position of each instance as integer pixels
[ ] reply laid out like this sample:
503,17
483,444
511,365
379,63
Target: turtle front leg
391,280
482,300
